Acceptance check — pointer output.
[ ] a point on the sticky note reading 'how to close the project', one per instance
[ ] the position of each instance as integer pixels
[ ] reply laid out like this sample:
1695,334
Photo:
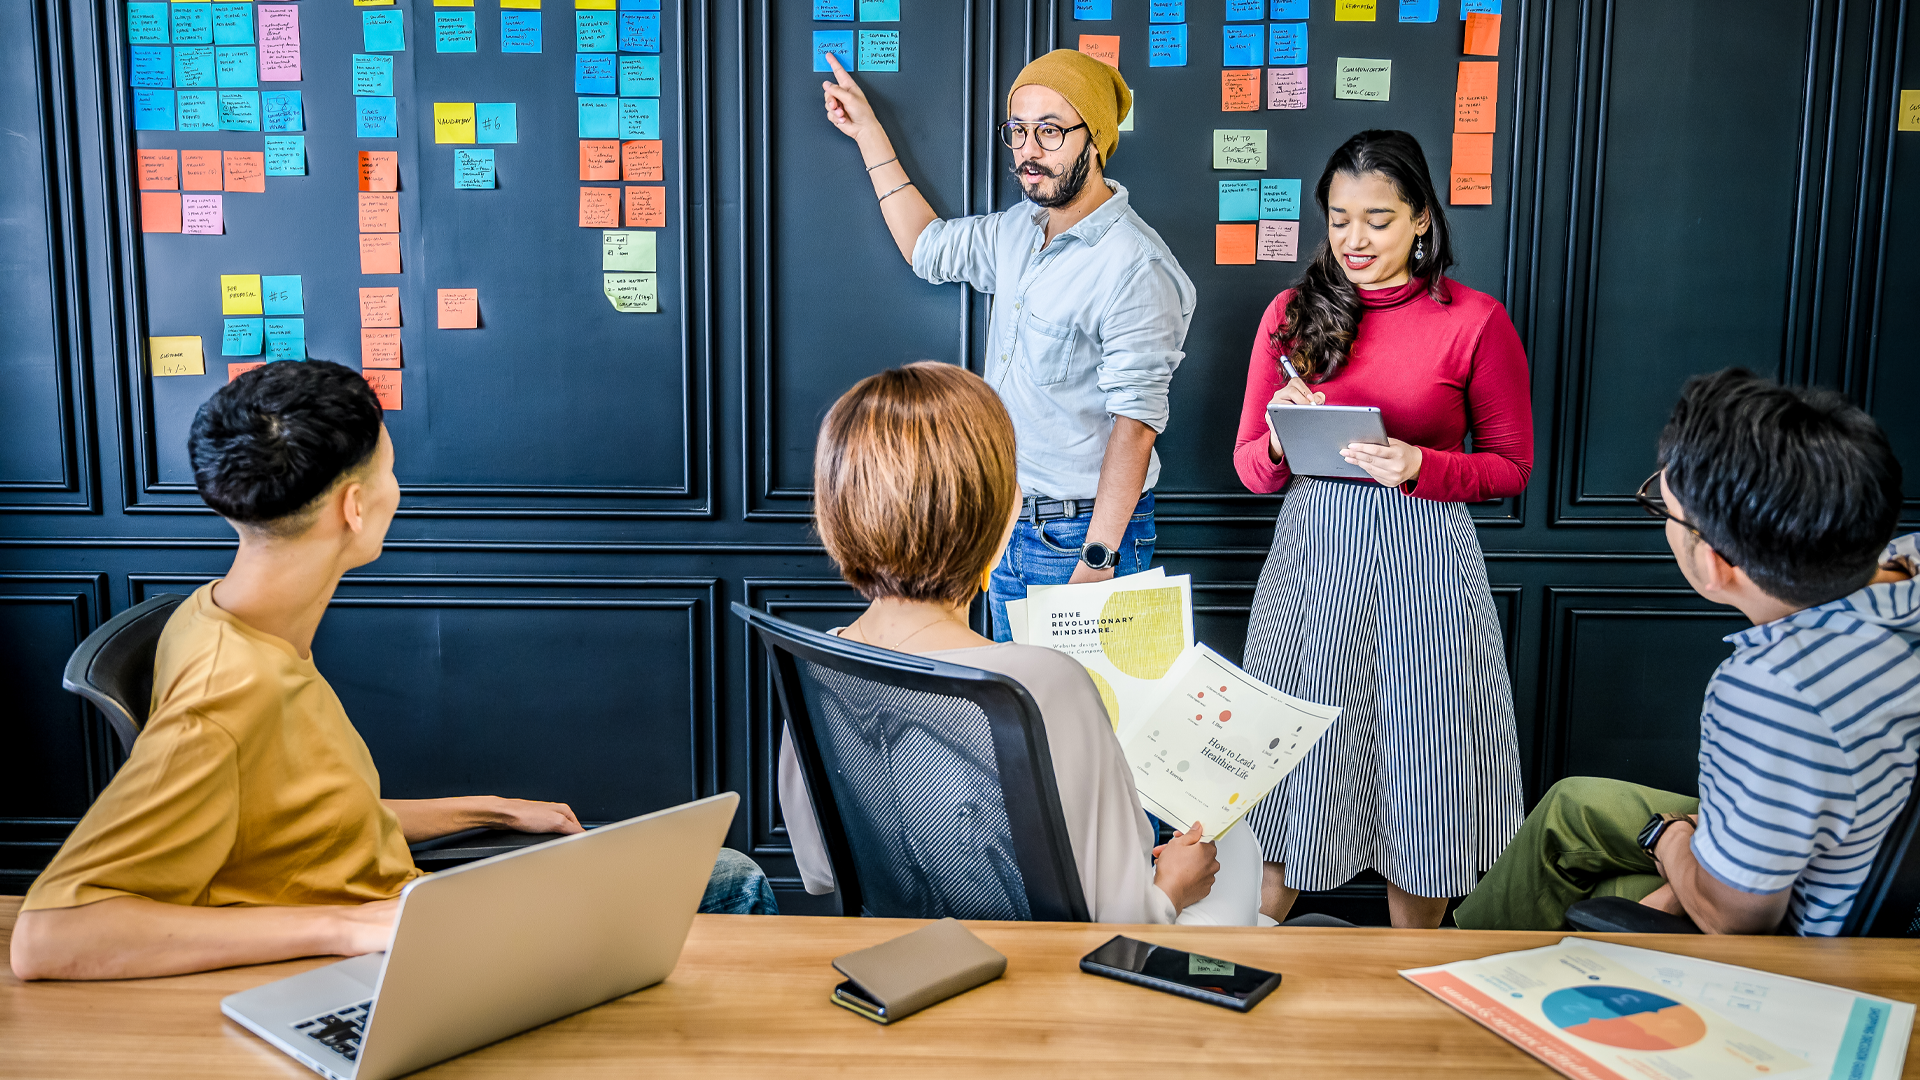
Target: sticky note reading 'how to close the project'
1242,149
177,356
459,309
240,294
1362,80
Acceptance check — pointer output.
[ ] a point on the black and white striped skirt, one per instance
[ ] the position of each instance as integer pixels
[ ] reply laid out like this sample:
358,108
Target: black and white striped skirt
1377,602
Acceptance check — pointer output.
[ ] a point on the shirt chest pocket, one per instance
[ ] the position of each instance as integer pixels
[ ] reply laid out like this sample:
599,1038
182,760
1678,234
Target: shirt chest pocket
1047,348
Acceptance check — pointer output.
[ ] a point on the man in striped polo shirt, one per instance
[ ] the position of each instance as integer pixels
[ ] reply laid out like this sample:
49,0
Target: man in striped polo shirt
1778,502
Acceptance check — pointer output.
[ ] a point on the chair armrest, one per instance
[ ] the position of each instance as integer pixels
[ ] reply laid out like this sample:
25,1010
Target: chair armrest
1618,915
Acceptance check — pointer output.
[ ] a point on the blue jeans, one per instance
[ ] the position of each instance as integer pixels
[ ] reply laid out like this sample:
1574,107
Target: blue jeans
1045,554
738,887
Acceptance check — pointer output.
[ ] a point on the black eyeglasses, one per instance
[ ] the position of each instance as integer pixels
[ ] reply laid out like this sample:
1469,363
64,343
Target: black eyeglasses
1654,503
1052,136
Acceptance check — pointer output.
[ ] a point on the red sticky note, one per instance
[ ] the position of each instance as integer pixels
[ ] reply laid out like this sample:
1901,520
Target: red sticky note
200,170
459,309
246,170
379,212
1240,90
386,387
1476,96
236,370
1473,153
599,208
379,253
599,159
159,170
640,160
647,207
159,211
1102,47
1233,245
379,170
379,348
379,307
1472,189
1483,34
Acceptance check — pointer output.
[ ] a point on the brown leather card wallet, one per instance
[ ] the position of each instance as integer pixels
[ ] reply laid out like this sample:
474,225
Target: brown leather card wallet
900,977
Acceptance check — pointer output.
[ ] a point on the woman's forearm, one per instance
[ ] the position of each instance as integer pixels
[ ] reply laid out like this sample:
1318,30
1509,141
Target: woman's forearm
132,937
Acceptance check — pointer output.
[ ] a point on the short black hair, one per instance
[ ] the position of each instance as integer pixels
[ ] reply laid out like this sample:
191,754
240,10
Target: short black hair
1797,487
269,443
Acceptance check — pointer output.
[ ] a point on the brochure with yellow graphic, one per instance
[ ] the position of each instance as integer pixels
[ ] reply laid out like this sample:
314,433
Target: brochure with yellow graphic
1126,631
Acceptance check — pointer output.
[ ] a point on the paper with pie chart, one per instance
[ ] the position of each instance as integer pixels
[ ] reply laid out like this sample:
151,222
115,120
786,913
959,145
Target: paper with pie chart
1126,631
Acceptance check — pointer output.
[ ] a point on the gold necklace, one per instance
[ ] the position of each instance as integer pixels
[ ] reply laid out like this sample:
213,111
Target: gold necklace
896,645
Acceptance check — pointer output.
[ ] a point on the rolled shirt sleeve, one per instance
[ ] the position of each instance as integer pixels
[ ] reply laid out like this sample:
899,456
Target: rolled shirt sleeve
959,249
1142,332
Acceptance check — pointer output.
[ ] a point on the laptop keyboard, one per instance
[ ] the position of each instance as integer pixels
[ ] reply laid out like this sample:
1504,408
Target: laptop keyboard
339,1030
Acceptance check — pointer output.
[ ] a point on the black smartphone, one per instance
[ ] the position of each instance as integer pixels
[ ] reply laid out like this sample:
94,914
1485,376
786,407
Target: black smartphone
1190,975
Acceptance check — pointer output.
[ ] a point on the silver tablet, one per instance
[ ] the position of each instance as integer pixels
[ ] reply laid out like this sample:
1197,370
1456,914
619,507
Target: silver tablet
1312,436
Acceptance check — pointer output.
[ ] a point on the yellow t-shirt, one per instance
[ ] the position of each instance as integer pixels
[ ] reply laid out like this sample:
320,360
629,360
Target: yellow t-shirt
248,786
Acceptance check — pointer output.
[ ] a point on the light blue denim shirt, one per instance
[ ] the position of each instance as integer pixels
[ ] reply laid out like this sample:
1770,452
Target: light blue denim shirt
1084,329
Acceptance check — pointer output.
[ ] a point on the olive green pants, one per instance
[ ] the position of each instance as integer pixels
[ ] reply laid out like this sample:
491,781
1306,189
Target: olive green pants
1580,842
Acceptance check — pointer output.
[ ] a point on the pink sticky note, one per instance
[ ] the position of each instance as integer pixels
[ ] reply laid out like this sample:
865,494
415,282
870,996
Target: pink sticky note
279,43
1287,88
1279,241
200,215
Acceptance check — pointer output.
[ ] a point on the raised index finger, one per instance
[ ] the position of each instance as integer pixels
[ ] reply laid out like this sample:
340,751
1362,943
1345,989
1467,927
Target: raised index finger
839,73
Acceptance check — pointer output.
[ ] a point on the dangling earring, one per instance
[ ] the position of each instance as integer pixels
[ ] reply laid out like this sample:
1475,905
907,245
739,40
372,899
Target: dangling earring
1419,248
986,577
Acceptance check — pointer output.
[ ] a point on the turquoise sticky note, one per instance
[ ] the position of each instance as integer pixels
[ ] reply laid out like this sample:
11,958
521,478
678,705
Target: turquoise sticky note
1094,10
152,66
472,169
1166,11
879,50
280,111
1243,46
833,10
383,31
147,24
236,65
1280,200
280,294
193,66
639,76
639,5
1246,10
1239,200
1167,45
1287,44
372,75
239,110
286,155
593,73
192,24
1419,11
496,122
879,10
639,118
599,118
153,110
373,118
286,339
1467,7
593,31
242,338
199,110
640,31
233,24
453,31
837,42
519,31
1292,9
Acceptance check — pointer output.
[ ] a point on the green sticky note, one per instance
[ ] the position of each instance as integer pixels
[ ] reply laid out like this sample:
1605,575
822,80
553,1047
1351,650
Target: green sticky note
1240,149
1207,965
632,292
626,250
1362,80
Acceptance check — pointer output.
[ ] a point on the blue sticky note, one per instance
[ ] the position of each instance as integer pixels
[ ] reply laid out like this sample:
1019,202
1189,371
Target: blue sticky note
280,294
286,338
593,31
837,42
879,50
1280,200
1467,7
233,24
383,31
640,118
286,155
1419,11
519,31
193,66
199,110
496,122
236,65
453,31
472,169
1239,200
879,10
639,5
1093,10
1287,44
152,110
593,73
242,338
239,110
1167,45
639,76
280,111
147,24
1166,11
152,66
833,10
599,118
1246,10
373,118
1243,46
1290,9
640,31
372,75
192,24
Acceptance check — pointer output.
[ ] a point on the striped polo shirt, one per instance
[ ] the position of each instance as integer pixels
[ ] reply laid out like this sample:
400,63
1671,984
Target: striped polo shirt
1808,744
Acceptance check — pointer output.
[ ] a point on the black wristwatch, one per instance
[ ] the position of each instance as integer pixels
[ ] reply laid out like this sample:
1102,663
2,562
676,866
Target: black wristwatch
1656,827
1099,556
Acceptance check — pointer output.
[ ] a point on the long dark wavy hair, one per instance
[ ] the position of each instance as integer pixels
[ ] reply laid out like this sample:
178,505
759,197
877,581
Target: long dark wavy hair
1323,314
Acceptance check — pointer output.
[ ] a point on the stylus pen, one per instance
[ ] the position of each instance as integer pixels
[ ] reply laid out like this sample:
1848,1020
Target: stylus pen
1287,366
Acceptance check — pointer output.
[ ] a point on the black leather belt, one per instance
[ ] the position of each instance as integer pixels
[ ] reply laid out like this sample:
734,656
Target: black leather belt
1036,509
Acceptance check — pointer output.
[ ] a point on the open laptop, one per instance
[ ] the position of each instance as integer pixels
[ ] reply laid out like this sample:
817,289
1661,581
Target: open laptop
490,949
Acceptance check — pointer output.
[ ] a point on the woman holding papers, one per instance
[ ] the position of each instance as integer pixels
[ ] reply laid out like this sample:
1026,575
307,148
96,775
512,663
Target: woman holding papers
1374,596
914,497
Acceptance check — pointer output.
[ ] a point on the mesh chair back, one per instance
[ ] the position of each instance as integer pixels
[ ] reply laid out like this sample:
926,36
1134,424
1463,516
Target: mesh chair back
1888,904
113,667
931,781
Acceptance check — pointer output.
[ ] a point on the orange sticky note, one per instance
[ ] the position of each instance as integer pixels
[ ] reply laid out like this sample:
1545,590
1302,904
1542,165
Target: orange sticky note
379,170
1233,245
1473,153
599,208
647,207
379,212
1476,96
459,309
246,170
200,170
234,371
1240,90
386,387
159,211
1472,189
379,307
1483,34
599,159
379,253
159,170
1102,47
379,348
640,160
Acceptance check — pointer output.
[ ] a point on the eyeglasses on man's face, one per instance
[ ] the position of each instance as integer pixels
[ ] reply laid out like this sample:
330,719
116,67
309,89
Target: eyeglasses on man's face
1051,136
1654,503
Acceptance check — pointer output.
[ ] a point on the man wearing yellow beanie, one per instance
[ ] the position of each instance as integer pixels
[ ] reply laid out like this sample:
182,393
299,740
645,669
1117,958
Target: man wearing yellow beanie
1090,314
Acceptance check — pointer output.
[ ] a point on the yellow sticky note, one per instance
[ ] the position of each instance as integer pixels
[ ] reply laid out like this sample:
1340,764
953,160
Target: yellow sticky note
372,3
177,356
593,5
452,3
1910,110
1353,10
453,121
529,5
240,294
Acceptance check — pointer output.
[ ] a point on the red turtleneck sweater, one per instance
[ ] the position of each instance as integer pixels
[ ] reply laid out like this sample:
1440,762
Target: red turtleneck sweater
1435,371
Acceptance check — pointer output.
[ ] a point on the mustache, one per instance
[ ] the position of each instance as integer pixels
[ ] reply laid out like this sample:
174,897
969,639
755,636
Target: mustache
1037,168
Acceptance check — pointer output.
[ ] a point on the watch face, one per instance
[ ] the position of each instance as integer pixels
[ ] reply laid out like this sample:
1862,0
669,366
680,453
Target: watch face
1098,555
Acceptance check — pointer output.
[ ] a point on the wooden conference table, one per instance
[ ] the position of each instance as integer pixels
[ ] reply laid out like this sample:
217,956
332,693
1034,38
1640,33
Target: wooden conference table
750,997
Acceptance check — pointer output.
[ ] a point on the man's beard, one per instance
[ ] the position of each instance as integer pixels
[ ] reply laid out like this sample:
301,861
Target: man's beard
1068,187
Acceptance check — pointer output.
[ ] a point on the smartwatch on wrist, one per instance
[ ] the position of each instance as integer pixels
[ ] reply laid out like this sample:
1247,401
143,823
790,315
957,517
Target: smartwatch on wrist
1656,827
1099,556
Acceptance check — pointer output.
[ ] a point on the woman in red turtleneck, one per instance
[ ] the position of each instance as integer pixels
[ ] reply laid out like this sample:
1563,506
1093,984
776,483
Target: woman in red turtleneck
1374,596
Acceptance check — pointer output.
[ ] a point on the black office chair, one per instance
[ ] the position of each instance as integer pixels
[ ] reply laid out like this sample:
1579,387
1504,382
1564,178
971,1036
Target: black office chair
1888,904
113,669
932,782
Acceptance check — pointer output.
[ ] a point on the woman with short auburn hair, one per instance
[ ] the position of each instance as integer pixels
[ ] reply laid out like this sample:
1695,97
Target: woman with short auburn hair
915,497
